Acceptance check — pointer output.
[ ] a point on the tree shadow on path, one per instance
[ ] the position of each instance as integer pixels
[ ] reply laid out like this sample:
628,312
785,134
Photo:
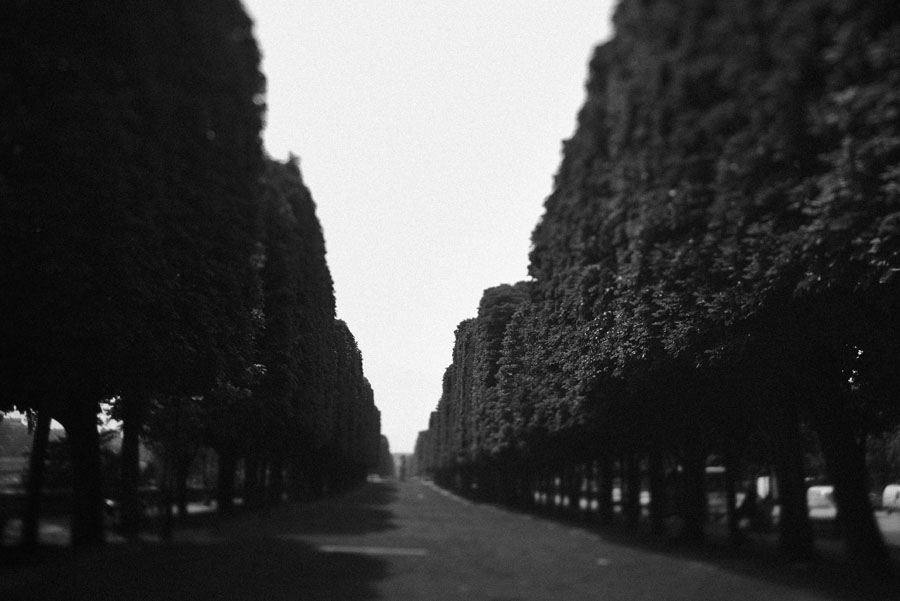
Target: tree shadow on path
248,557
829,574
362,511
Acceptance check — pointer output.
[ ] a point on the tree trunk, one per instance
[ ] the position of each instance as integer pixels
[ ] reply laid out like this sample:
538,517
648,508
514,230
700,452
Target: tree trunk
548,484
576,486
132,423
795,539
87,493
527,484
502,479
507,482
559,489
251,481
520,483
540,488
605,491
465,487
182,471
566,475
31,519
561,483
165,495
631,495
846,463
694,502
295,480
276,480
225,487
735,536
657,476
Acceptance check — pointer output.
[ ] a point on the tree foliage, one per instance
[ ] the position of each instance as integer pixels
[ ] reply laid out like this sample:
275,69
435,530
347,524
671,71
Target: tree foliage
154,256
715,270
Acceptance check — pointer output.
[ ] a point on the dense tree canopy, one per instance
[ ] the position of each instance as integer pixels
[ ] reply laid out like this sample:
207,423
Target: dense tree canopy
714,277
155,258
131,150
130,156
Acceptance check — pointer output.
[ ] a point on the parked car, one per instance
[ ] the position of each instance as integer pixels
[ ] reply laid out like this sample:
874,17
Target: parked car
820,500
890,498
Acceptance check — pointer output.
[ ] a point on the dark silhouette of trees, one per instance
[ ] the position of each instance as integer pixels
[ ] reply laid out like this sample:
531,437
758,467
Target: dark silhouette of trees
714,277
155,259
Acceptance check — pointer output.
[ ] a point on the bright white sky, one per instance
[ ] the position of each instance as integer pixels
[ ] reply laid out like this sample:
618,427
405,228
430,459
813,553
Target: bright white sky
429,132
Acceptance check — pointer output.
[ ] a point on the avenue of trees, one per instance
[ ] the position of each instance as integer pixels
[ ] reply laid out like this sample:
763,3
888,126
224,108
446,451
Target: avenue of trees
156,261
714,280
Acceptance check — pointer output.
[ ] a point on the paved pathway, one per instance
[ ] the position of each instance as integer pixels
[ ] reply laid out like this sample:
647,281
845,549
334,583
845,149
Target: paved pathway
405,541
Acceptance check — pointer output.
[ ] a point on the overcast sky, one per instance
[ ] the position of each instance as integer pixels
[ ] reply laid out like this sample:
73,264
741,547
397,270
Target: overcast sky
428,133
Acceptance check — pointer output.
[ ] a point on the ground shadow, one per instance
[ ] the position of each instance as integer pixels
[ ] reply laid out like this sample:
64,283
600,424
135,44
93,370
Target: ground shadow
246,556
261,568
361,511
828,574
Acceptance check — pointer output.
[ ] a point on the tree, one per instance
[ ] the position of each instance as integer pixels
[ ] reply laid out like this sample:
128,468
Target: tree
715,271
128,174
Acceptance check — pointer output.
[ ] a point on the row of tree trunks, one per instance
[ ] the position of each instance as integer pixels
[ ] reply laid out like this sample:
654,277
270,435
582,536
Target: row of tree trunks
87,523
585,489
264,480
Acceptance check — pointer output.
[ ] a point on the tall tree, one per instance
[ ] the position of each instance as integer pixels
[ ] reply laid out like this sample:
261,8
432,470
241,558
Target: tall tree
128,174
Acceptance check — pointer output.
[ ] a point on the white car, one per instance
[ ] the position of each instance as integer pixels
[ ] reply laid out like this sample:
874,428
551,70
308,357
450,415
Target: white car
820,500
890,499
